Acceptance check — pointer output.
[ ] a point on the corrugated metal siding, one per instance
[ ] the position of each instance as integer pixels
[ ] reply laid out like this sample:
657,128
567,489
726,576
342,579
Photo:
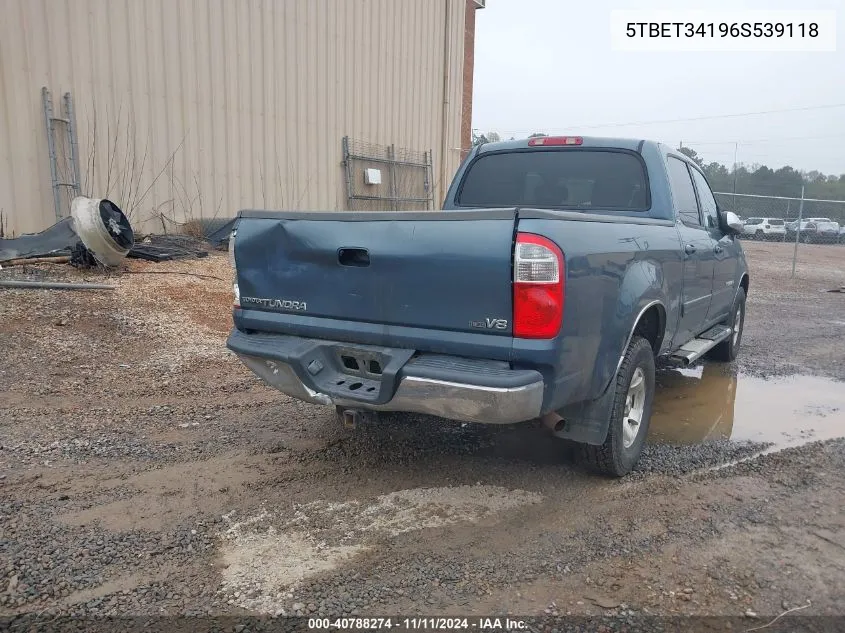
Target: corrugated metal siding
200,107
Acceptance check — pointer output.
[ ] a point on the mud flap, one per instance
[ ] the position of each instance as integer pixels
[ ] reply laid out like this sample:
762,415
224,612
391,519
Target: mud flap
587,422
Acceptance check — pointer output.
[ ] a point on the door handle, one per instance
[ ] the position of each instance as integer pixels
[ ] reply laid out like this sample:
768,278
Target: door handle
689,249
717,249
353,257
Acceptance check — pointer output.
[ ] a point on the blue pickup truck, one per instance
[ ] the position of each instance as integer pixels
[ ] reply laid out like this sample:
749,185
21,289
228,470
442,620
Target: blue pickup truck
557,272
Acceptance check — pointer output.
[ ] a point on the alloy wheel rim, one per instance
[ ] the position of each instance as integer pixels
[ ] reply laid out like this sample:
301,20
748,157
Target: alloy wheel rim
738,319
634,407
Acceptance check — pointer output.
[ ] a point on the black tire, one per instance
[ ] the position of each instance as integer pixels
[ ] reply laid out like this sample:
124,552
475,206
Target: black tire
727,350
613,457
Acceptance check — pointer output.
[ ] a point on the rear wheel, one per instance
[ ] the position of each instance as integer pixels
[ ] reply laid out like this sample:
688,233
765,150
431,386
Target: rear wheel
630,414
727,350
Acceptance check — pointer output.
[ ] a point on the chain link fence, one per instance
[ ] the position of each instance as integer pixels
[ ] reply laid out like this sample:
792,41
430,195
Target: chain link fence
775,218
817,241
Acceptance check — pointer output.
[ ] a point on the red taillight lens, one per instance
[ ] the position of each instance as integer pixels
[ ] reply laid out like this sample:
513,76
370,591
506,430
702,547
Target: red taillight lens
538,286
555,140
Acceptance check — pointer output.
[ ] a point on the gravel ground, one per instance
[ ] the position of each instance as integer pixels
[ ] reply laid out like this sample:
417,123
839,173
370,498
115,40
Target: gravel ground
144,471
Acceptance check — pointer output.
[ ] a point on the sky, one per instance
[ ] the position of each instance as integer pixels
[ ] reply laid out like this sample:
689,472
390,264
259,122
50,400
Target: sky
548,66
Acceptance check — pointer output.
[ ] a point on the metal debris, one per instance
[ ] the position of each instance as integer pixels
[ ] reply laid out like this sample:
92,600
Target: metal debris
51,285
163,248
97,232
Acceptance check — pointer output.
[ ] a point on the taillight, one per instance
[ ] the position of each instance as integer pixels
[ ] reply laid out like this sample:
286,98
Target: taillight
236,303
538,285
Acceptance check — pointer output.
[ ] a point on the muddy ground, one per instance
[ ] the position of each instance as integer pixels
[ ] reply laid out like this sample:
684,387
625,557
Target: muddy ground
143,470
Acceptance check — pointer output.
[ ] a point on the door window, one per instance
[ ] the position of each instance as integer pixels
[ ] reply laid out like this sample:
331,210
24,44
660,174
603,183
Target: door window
706,200
683,192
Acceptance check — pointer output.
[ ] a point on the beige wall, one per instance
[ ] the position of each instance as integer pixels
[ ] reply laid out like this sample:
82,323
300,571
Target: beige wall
210,106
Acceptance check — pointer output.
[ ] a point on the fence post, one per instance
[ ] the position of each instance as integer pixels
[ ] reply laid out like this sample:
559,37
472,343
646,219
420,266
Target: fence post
798,230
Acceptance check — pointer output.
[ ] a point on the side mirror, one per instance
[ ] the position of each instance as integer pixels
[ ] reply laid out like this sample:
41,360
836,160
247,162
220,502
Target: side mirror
731,222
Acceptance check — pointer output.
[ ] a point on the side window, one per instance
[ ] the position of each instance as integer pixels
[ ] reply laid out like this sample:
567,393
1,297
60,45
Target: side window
683,192
706,200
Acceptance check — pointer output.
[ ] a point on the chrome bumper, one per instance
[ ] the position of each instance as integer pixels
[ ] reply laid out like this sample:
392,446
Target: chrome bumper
451,400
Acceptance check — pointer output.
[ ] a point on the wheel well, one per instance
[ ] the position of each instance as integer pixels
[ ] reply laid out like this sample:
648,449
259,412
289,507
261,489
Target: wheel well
744,284
652,326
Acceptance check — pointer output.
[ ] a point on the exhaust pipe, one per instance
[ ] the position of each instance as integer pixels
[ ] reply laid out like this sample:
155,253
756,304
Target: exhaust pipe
553,422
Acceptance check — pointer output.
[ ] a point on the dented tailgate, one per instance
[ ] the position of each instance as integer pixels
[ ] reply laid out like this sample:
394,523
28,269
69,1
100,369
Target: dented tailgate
446,271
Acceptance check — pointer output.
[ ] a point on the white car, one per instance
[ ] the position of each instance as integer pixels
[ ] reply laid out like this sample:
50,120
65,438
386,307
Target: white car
765,228
815,230
827,231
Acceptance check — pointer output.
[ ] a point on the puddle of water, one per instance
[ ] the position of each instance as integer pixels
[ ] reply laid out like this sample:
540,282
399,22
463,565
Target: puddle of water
712,402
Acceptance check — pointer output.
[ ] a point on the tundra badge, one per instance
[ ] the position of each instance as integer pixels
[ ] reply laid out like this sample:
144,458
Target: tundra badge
277,304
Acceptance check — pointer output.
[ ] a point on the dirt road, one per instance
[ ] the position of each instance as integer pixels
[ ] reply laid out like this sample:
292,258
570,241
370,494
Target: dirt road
143,470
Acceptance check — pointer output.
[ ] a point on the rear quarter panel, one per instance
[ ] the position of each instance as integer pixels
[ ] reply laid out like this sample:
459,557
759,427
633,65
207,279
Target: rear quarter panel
614,270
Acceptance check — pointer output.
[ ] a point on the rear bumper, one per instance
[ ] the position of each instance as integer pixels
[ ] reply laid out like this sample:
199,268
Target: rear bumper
450,387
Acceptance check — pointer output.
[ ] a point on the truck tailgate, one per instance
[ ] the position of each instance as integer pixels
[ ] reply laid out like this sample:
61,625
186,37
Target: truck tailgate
448,271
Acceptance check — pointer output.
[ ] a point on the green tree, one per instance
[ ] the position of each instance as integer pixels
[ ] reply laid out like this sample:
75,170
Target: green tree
785,181
479,138
718,176
692,155
815,176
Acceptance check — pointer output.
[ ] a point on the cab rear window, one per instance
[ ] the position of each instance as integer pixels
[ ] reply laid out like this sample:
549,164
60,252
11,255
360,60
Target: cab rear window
557,179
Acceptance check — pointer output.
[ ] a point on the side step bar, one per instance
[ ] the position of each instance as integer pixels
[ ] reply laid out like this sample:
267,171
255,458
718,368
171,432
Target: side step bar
691,351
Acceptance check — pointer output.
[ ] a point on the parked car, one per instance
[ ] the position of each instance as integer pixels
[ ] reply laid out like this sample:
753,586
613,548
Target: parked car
558,271
792,228
814,230
827,231
842,233
764,229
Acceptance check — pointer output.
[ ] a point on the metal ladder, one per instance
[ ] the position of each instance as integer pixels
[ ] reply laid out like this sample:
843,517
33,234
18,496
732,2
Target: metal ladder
70,130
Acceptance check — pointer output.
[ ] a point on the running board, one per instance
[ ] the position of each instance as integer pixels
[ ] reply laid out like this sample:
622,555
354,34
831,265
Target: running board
691,351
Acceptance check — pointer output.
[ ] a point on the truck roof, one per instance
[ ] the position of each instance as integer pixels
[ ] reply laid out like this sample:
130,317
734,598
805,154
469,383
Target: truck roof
588,141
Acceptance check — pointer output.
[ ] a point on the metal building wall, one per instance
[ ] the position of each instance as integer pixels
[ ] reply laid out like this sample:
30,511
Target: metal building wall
192,108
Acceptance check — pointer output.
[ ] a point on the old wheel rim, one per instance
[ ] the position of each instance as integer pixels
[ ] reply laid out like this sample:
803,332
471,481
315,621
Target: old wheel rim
738,319
634,406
